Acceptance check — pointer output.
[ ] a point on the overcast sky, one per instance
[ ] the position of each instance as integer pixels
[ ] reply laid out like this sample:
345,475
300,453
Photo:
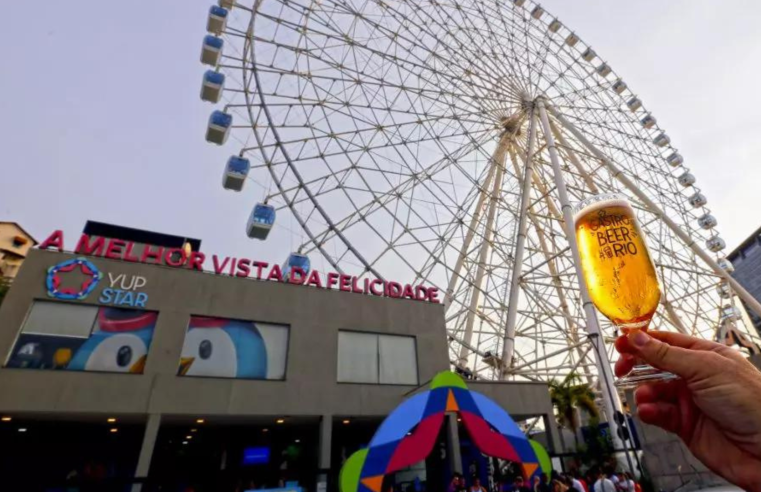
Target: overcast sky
102,118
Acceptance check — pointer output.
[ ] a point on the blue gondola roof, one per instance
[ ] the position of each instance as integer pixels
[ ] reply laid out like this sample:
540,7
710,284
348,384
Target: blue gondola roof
221,119
264,212
295,259
213,41
218,11
214,77
238,165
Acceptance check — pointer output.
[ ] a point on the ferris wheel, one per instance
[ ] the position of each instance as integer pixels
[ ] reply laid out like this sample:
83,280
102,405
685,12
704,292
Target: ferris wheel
443,142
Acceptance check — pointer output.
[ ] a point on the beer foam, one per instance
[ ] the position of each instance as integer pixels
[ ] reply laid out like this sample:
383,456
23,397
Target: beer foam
611,202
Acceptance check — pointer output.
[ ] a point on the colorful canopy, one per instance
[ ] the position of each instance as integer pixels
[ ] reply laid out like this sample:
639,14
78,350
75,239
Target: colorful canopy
409,434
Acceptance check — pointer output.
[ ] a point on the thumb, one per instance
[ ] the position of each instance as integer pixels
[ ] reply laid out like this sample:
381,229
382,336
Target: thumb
683,362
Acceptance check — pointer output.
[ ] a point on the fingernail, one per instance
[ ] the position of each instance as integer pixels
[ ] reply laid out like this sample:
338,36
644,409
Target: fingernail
639,339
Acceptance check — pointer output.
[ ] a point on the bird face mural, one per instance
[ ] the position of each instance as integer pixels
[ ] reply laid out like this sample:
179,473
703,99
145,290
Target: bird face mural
223,348
119,343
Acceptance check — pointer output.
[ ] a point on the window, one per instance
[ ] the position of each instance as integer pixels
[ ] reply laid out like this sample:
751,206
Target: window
376,359
228,348
77,337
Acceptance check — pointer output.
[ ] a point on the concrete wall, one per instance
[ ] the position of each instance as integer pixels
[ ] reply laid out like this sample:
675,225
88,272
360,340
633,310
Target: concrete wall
315,316
747,263
668,461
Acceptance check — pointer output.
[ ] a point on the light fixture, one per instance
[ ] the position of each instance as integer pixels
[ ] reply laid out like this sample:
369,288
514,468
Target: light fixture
111,420
22,429
280,421
184,442
193,430
297,441
265,430
200,421
6,419
459,419
113,430
346,421
188,437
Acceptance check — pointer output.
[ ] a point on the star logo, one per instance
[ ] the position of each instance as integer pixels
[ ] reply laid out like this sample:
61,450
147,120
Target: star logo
79,267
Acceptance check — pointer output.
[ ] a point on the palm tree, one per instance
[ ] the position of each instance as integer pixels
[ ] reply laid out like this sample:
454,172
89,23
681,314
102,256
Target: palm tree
568,395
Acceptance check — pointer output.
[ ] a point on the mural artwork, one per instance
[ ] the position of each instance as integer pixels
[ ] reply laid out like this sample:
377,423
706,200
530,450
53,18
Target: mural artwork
225,348
408,435
119,342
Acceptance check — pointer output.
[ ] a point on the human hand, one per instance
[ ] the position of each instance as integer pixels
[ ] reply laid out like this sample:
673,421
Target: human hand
715,408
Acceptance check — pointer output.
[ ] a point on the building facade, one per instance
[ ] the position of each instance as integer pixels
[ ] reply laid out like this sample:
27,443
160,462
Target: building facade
746,260
199,373
15,244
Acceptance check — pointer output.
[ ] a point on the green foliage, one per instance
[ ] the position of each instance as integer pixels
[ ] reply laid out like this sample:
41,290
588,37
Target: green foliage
598,448
568,395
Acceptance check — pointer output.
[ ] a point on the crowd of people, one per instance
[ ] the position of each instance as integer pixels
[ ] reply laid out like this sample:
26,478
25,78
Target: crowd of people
595,480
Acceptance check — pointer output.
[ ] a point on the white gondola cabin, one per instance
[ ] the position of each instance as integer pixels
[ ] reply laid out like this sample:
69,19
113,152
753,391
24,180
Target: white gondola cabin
633,104
715,244
730,313
619,87
260,221
537,12
236,172
226,4
217,21
219,127
571,40
697,200
211,52
726,265
648,121
604,70
589,54
724,291
662,140
519,3
555,26
296,260
686,179
675,159
707,221
212,87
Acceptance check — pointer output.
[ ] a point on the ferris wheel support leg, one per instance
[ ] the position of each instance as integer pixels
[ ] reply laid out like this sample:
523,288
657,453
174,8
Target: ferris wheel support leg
469,236
654,208
609,396
498,160
508,346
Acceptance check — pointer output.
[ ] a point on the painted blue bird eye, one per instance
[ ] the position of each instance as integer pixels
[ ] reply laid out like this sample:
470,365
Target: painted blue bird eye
123,356
204,349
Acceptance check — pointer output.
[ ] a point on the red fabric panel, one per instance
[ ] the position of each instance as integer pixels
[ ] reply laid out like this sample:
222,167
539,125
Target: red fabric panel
489,442
416,447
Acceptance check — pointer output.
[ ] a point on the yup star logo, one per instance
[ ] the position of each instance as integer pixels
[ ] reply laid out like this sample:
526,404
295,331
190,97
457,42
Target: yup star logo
79,267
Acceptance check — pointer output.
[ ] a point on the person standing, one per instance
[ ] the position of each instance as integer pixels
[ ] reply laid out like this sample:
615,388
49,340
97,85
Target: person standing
576,484
603,484
476,487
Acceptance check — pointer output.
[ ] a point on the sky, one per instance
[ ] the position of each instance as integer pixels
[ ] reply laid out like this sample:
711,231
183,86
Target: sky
102,118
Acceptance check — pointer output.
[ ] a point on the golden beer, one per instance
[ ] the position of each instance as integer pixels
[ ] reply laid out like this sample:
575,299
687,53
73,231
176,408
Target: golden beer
616,263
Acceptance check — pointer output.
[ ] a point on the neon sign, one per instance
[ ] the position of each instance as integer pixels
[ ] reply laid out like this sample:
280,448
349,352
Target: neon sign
117,249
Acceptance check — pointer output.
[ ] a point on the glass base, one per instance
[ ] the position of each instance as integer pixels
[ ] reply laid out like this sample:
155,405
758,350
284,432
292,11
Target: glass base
642,374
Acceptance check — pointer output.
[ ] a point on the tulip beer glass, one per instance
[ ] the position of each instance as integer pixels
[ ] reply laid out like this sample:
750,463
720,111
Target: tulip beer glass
618,270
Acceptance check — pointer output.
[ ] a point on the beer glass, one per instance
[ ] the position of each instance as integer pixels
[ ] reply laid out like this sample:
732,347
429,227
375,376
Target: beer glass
618,270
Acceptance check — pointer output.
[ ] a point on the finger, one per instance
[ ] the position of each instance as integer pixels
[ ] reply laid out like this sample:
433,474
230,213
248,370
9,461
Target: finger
624,365
684,362
654,392
686,341
664,415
